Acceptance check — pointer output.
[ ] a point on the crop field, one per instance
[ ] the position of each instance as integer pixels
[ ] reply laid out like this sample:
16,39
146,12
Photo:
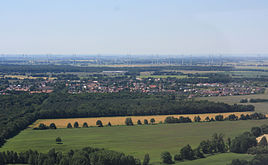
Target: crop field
259,107
62,123
133,140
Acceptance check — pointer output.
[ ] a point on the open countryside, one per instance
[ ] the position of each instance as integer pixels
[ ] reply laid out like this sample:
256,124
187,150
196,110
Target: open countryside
133,140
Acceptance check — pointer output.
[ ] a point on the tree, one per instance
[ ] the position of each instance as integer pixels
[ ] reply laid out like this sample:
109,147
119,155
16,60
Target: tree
99,123
146,121
52,126
128,121
76,125
263,141
198,153
256,131
232,117
152,120
109,124
229,143
139,122
207,119
166,157
187,153
178,157
69,125
42,126
197,119
219,118
85,125
58,140
146,159
242,143
205,146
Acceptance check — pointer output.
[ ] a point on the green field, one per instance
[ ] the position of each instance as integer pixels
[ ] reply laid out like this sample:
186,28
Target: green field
259,107
133,140
163,76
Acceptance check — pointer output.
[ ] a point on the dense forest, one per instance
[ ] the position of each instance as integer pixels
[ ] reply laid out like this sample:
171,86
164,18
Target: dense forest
62,105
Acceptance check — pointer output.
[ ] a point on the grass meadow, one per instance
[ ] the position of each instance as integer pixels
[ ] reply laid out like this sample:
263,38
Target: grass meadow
135,140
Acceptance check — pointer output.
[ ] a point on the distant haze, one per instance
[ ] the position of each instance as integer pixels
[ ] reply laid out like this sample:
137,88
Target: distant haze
134,27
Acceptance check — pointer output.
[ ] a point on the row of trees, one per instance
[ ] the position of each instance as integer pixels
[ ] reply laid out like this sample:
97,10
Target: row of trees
214,145
260,159
244,143
42,126
85,125
253,100
85,156
169,119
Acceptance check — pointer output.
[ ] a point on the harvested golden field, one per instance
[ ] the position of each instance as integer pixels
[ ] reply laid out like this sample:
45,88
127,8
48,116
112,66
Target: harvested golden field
260,137
62,123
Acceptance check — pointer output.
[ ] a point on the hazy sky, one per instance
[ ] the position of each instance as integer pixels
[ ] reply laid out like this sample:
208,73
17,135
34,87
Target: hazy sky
133,26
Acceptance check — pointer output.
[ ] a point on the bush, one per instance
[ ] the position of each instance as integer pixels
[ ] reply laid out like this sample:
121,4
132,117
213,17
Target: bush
139,122
58,140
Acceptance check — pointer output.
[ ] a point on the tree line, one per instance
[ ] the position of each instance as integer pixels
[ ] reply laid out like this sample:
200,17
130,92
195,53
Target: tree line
85,156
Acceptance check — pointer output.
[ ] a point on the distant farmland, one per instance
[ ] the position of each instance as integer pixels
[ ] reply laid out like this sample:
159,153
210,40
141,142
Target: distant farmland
62,123
261,107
